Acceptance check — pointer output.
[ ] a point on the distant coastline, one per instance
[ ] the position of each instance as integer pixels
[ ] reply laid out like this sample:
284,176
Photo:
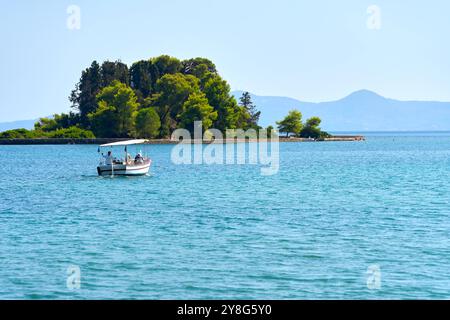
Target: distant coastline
98,141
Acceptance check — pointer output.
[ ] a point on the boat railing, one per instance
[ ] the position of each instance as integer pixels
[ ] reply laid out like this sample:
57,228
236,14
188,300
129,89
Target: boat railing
129,162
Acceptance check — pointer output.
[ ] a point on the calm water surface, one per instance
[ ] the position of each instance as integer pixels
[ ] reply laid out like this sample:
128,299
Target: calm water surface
186,231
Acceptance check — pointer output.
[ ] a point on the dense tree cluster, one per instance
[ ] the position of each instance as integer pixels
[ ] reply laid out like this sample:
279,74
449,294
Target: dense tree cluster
154,97
292,125
150,99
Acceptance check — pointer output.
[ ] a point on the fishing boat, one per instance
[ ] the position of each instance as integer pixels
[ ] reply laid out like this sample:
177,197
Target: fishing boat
110,165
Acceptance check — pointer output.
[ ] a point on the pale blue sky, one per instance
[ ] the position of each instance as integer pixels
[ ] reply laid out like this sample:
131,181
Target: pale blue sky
309,50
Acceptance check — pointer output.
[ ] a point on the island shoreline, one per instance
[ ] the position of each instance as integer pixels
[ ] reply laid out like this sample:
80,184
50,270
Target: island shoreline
99,141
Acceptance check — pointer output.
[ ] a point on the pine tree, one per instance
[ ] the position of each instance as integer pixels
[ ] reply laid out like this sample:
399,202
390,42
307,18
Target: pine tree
83,98
247,103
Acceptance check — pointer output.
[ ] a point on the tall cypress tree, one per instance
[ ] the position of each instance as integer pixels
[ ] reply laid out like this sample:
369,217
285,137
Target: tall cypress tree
141,78
116,70
83,97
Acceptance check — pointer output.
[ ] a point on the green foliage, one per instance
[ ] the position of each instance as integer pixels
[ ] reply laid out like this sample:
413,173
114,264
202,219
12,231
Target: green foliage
197,108
71,132
173,91
21,134
109,96
310,132
154,97
141,78
311,129
165,65
238,116
111,71
292,123
66,120
164,83
46,124
270,131
313,122
104,122
115,116
58,121
83,97
247,103
165,128
230,115
199,67
218,94
147,123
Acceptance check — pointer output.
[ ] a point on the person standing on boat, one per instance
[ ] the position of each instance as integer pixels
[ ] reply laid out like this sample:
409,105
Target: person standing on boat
108,158
138,158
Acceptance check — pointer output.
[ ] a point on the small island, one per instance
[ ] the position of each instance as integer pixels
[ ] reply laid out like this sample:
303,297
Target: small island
151,99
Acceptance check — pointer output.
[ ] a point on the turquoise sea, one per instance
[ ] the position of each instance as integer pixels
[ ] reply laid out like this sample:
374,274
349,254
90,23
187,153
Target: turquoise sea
311,231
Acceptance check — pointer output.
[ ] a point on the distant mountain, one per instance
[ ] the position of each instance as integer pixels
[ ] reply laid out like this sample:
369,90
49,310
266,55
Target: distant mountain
362,110
27,124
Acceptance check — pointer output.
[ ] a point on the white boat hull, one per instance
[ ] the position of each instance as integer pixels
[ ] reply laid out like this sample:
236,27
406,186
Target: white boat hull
124,169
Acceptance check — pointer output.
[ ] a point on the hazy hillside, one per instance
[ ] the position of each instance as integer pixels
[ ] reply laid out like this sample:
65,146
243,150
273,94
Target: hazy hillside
27,124
360,111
